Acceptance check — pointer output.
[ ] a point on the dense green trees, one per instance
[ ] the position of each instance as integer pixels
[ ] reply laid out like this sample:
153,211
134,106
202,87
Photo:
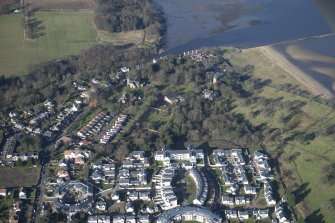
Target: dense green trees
127,15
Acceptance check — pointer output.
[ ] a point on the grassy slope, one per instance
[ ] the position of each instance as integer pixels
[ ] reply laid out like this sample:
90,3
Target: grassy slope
313,116
65,33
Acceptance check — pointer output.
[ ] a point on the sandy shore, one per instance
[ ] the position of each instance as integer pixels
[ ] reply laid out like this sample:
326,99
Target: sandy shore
311,84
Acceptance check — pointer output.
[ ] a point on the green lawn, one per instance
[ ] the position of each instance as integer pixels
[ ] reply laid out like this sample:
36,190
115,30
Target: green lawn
19,176
191,189
63,33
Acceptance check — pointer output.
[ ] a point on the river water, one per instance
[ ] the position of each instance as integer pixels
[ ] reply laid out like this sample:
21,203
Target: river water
194,24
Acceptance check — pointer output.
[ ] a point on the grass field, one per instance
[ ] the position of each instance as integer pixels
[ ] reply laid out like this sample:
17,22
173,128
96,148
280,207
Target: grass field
64,33
304,172
59,34
19,176
62,4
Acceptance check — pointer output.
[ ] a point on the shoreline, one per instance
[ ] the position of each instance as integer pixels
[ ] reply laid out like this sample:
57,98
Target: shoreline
312,85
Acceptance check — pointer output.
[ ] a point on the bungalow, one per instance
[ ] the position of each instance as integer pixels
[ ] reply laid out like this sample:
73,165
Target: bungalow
79,161
243,215
124,182
118,219
101,206
133,195
108,166
179,155
159,155
249,189
99,219
231,214
130,219
22,194
187,165
124,69
174,99
134,83
262,213
144,195
115,196
109,173
3,192
228,200
61,173
138,155
62,163
128,164
72,154
199,154
97,176
143,219
129,208
240,200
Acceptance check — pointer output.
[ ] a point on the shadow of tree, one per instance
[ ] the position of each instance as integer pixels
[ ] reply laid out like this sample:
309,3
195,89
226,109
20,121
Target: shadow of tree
301,192
36,28
316,216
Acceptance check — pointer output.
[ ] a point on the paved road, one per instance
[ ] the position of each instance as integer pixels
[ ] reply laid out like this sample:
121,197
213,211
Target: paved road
210,175
45,160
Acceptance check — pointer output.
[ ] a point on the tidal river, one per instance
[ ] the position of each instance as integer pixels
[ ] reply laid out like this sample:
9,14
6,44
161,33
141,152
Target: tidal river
194,24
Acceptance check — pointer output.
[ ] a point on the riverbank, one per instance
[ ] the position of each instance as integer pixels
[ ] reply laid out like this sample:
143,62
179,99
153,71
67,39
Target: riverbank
303,78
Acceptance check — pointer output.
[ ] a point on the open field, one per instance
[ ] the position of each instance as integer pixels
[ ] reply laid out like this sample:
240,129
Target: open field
301,163
19,176
68,5
61,34
58,34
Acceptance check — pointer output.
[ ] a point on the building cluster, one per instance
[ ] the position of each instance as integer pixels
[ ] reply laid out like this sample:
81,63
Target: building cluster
280,214
246,214
191,155
38,123
164,195
118,219
103,172
133,171
71,157
261,167
189,213
196,55
76,156
94,126
73,197
201,184
111,133
174,161
9,152
232,164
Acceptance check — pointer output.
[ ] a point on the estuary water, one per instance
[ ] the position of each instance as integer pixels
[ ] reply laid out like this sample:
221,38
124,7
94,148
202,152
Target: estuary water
194,24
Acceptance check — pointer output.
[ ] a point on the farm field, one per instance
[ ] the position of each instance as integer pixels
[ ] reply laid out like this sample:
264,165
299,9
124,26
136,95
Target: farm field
62,33
19,176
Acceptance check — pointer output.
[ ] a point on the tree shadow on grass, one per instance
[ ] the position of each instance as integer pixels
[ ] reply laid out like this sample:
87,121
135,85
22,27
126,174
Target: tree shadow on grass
36,28
301,192
316,216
